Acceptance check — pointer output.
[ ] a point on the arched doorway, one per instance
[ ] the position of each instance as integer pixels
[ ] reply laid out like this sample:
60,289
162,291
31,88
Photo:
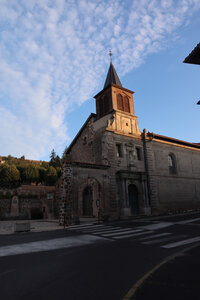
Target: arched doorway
133,199
87,202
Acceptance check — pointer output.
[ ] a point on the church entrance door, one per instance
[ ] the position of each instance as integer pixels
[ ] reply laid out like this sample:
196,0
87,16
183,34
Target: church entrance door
133,199
87,202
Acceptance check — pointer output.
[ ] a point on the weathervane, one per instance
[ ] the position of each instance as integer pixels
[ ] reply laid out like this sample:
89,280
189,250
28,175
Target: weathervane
110,54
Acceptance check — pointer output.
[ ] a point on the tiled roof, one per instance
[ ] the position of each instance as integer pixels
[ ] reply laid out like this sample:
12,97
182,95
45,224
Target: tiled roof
172,140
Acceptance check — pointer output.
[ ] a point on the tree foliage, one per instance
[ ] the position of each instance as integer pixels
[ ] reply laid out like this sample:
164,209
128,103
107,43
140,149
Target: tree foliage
51,176
31,174
16,171
9,176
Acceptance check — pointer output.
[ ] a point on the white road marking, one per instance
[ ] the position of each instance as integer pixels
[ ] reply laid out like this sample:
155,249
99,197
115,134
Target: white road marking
108,230
133,235
99,229
188,221
122,231
54,244
77,226
157,241
183,242
157,226
86,227
155,236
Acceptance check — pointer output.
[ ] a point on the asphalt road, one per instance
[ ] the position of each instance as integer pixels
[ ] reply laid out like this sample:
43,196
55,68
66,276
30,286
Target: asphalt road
94,262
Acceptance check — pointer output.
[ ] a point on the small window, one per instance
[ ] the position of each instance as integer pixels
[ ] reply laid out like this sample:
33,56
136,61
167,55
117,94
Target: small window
119,150
171,164
138,153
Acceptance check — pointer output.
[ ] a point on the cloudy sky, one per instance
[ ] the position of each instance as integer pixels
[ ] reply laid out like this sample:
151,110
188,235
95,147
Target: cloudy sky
54,59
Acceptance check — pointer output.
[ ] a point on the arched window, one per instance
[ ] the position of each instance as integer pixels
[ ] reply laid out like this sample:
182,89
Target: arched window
126,104
119,102
171,164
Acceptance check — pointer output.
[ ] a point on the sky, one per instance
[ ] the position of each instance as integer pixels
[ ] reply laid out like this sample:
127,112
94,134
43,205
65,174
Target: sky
54,59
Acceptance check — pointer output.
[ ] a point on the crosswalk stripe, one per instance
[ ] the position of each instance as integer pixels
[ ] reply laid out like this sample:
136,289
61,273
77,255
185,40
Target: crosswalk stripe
105,230
48,245
121,232
183,242
155,236
157,241
132,235
188,221
86,226
157,226
79,226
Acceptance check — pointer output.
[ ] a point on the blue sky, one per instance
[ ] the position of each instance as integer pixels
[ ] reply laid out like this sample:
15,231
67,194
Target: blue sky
54,59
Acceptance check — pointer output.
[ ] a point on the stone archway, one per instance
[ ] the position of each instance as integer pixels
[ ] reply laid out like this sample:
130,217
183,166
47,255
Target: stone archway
133,199
89,198
87,202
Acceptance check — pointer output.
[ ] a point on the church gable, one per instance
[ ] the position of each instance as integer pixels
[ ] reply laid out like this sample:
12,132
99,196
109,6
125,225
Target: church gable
81,148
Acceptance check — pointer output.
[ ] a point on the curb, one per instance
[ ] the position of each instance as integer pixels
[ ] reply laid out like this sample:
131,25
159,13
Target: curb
134,288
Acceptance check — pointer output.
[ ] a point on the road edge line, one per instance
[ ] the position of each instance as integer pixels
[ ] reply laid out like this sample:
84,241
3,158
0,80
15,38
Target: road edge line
134,288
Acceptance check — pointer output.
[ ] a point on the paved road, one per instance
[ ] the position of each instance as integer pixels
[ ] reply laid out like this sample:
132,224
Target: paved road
90,261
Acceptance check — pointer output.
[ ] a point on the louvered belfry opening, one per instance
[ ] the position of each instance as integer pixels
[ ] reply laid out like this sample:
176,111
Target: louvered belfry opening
123,103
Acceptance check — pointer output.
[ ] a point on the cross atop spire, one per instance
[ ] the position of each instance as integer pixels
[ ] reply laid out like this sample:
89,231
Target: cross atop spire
110,54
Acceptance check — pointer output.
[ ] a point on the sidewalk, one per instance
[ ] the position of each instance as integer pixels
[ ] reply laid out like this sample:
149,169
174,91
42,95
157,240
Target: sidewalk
7,227
178,278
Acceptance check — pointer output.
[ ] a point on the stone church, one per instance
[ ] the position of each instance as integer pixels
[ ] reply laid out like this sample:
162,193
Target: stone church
112,170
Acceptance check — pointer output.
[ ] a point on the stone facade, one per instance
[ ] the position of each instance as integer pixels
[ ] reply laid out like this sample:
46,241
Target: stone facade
29,201
113,170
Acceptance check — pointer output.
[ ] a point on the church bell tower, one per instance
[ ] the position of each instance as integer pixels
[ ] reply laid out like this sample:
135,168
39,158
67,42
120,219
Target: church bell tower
114,104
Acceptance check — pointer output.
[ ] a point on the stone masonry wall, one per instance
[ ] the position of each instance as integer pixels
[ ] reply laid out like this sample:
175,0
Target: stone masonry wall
66,204
82,150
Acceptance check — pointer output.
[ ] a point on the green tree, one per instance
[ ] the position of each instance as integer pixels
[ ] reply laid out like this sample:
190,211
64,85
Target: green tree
55,160
42,174
59,171
31,174
9,176
45,164
51,176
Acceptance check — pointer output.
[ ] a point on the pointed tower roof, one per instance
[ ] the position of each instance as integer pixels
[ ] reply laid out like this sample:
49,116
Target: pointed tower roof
112,77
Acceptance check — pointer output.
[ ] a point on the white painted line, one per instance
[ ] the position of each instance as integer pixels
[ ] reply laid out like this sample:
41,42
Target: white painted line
155,236
181,243
157,241
157,226
188,221
122,232
132,235
99,229
81,228
48,245
110,230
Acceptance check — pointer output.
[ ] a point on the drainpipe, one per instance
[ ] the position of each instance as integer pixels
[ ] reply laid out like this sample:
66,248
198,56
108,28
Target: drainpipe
144,134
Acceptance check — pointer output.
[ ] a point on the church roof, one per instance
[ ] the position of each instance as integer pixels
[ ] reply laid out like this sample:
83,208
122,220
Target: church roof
112,77
194,56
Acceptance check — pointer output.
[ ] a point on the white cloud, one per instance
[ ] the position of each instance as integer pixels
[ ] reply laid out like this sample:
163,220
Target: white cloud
53,57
